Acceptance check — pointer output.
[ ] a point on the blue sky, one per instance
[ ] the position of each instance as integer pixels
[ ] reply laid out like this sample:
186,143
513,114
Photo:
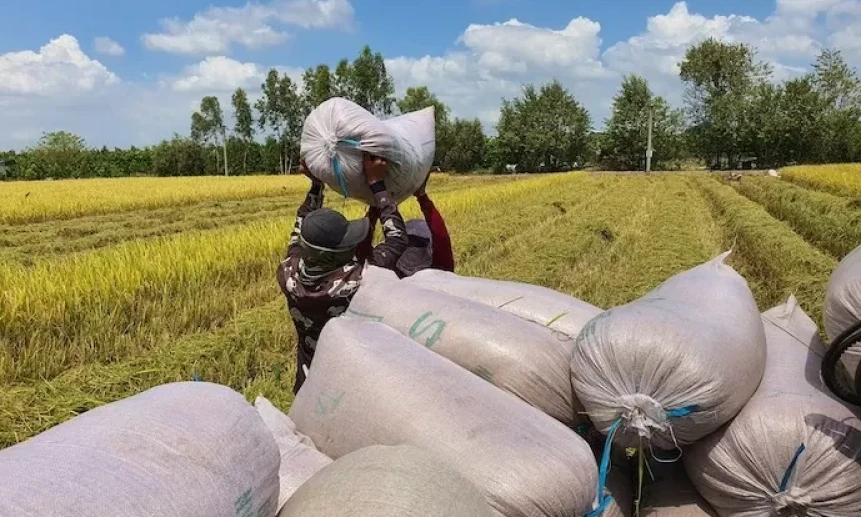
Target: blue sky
123,73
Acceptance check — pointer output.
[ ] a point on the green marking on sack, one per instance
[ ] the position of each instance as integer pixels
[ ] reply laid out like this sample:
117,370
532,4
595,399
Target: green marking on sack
326,404
556,318
242,505
484,373
364,315
589,330
438,327
510,302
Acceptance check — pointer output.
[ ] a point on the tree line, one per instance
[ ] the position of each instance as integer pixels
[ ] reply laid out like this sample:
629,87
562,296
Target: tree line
733,113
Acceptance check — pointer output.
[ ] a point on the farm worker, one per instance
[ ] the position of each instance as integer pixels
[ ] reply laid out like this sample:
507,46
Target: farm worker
429,241
321,273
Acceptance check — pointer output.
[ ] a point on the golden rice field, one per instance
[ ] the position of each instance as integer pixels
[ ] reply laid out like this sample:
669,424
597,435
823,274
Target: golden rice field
110,287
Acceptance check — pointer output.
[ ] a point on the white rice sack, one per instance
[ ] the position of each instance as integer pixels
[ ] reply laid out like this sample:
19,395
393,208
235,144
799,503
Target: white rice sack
793,449
338,130
371,386
541,305
674,365
528,360
379,481
842,313
299,458
189,449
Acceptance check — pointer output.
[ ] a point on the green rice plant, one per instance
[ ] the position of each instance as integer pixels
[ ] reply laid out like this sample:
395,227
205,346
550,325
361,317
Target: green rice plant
831,223
843,179
775,260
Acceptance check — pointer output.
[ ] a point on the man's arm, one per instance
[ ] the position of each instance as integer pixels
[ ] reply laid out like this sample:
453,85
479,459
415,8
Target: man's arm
363,251
313,201
443,256
395,242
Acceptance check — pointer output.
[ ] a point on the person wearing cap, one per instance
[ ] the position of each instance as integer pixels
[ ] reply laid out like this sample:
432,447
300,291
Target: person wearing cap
429,241
321,273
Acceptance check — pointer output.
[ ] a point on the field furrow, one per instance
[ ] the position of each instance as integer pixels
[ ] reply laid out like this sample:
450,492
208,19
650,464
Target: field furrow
774,259
831,223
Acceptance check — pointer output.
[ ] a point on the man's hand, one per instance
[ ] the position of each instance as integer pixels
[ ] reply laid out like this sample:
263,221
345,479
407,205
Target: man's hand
421,192
303,169
375,168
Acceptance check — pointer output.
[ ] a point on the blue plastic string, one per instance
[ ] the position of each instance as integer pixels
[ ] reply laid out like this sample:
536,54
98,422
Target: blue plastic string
336,165
786,475
604,468
195,377
682,411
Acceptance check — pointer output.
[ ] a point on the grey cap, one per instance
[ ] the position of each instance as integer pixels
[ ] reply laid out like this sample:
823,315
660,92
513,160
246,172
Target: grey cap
327,229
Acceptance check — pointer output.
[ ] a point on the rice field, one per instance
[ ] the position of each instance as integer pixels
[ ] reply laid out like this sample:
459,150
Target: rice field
107,293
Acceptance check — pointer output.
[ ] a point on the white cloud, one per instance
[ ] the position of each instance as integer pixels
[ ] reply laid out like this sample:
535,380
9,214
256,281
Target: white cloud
59,67
315,14
218,73
518,47
108,47
217,29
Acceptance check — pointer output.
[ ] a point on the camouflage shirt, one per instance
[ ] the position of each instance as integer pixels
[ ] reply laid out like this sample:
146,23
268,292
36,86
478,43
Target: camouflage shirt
313,300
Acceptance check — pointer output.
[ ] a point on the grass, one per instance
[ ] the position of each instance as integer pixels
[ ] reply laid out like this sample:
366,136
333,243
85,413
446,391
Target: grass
80,330
829,222
842,179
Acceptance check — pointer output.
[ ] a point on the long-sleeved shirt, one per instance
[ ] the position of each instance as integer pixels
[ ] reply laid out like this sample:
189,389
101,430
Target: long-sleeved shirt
313,300
443,255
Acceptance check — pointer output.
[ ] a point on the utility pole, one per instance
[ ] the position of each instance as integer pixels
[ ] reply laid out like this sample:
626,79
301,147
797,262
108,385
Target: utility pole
649,143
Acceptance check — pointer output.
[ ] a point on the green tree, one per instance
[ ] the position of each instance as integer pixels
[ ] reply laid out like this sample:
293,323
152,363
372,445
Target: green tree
628,127
59,154
207,125
468,146
318,86
419,98
544,129
243,123
366,82
281,110
720,79
342,85
840,88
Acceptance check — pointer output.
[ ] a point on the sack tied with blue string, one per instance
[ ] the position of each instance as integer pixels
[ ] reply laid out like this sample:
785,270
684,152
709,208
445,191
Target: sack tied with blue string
794,449
673,366
337,132
369,385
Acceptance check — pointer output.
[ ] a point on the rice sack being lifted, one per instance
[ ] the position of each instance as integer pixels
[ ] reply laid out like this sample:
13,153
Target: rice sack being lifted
518,356
674,365
380,481
842,321
793,449
299,458
337,132
538,304
369,385
189,449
